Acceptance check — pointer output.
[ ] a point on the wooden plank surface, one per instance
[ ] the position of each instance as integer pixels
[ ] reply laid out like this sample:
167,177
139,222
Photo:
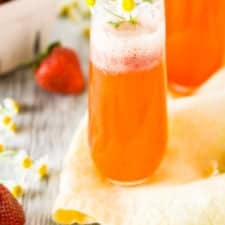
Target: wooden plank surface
47,124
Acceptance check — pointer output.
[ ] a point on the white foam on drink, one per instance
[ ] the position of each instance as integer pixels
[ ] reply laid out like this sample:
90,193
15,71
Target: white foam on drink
131,47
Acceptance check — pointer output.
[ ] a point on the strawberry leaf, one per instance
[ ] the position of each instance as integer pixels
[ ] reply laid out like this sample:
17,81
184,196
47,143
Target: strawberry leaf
35,64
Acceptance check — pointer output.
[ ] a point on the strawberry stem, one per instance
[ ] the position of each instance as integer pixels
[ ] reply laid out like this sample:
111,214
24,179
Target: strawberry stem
37,61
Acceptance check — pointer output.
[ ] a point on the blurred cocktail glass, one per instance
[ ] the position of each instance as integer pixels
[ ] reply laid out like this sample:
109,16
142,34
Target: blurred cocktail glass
195,41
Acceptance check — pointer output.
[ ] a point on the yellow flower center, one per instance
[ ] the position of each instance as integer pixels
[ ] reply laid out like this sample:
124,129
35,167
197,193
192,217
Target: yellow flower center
128,5
17,191
1,147
27,162
12,127
12,105
90,2
6,120
43,171
15,106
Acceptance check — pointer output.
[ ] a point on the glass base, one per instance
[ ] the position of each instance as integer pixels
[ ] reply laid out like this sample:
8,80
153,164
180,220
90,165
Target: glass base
128,183
179,90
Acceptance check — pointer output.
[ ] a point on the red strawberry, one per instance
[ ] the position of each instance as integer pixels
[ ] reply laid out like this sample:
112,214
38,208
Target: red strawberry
60,71
11,212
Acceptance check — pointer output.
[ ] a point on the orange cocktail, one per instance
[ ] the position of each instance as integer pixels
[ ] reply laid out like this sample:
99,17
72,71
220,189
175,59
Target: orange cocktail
195,40
127,98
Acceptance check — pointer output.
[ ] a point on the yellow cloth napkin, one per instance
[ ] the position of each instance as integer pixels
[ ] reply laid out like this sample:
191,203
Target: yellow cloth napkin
178,194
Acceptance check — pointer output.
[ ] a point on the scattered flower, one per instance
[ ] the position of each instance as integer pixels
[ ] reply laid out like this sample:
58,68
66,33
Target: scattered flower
23,167
73,8
26,169
11,105
1,147
17,191
68,10
79,12
6,120
27,162
43,171
12,127
8,109
42,168
24,160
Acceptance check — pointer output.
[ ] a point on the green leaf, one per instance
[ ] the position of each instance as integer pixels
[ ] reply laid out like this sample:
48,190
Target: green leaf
115,24
149,1
44,54
133,20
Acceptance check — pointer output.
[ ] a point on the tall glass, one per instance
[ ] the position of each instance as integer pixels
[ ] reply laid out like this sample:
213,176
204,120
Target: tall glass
127,92
195,41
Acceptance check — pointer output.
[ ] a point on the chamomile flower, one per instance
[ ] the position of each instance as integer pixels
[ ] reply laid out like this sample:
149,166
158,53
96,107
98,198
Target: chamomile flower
17,190
24,160
69,9
12,106
43,170
8,109
12,127
41,167
6,120
2,148
27,162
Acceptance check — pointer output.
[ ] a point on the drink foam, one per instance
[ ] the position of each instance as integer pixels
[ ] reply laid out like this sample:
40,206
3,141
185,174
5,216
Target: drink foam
129,47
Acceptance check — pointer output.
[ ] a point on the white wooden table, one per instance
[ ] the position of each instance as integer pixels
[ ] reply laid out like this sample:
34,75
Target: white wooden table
47,124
